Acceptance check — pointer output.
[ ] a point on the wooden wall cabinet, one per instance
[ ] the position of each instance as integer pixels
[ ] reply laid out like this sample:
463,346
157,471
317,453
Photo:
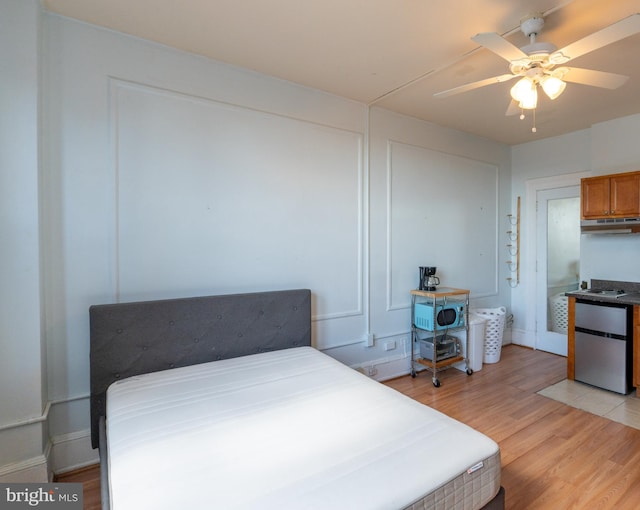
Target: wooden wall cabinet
611,196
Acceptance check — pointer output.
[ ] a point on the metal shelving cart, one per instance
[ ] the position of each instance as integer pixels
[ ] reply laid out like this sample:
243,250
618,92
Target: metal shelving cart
445,351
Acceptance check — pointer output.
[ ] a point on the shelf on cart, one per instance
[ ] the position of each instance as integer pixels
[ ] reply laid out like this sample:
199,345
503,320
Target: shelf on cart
441,292
440,364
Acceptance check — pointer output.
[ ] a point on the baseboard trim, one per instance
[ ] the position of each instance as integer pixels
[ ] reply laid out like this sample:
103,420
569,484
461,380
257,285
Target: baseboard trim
73,451
34,470
523,338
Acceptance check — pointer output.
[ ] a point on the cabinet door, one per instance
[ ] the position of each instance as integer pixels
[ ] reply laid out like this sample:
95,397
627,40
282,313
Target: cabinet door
594,195
625,195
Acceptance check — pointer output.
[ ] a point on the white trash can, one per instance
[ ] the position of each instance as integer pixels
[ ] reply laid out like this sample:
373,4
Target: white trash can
477,326
494,331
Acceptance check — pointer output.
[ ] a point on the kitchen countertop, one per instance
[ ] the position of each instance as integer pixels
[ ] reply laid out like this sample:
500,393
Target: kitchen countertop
631,294
628,299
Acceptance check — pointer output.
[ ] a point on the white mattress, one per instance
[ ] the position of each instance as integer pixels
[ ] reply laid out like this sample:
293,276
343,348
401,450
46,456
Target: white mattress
286,429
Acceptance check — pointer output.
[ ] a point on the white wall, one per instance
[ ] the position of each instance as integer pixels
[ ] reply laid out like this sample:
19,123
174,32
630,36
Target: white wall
22,362
418,220
605,148
166,174
142,194
614,149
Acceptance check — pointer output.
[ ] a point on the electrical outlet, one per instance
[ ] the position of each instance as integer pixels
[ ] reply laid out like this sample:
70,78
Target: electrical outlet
371,371
389,346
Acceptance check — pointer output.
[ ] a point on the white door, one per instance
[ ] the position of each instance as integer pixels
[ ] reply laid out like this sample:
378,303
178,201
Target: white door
558,264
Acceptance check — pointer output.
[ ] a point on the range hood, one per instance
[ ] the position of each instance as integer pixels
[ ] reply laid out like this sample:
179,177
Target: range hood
611,226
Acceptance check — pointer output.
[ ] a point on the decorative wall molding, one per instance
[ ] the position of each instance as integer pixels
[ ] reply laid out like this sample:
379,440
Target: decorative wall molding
25,439
33,470
131,102
435,184
38,419
61,453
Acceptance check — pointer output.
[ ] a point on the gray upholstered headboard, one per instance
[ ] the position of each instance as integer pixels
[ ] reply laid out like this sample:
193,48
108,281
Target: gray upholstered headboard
136,338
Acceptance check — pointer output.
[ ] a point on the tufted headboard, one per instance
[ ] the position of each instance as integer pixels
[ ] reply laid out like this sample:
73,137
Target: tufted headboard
135,338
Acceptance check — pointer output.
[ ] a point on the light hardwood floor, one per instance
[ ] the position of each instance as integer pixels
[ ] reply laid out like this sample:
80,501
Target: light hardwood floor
90,479
553,456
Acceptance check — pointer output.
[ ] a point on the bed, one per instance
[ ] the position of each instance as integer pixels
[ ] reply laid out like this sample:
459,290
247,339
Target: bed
222,402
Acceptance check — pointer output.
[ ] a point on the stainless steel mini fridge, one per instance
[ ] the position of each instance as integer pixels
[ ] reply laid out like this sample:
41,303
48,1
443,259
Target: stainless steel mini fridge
603,349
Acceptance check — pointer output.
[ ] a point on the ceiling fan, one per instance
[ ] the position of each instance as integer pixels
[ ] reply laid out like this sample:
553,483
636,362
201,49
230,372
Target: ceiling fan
542,64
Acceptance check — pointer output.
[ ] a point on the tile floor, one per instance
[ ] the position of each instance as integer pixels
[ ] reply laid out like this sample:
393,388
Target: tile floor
624,409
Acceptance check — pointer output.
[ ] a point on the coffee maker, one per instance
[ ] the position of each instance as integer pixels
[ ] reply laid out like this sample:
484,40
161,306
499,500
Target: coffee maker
428,278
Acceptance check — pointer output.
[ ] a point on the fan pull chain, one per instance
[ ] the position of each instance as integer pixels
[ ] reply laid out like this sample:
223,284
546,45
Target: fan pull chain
533,129
522,116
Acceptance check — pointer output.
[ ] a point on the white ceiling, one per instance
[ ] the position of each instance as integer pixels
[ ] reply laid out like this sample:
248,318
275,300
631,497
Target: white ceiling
393,53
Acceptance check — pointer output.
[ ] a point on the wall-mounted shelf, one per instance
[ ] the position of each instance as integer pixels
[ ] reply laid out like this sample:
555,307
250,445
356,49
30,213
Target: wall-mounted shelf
513,247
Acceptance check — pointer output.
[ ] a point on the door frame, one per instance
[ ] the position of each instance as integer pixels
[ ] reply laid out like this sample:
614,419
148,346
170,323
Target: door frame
531,229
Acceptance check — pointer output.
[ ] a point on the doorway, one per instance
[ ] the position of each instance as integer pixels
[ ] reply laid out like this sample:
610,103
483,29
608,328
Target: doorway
558,264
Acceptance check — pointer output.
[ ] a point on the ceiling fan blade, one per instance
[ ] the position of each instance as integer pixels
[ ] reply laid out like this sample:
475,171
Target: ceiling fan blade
475,85
615,32
513,108
500,46
594,78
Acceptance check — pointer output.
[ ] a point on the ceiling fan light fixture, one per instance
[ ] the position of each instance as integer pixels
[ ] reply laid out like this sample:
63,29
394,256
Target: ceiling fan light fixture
552,86
524,91
535,64
519,90
530,102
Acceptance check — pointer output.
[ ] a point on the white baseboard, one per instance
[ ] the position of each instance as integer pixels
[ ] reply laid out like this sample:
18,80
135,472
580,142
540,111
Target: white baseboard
61,454
25,450
35,470
73,451
387,368
523,338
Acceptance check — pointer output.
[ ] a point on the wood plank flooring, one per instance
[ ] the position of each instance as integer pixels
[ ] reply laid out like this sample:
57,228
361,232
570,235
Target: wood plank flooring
90,479
553,456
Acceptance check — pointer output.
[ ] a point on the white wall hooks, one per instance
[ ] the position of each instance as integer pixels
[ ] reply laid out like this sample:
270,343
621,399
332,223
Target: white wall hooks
514,247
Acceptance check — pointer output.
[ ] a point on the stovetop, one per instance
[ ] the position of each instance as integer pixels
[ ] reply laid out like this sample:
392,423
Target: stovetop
607,292
604,290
